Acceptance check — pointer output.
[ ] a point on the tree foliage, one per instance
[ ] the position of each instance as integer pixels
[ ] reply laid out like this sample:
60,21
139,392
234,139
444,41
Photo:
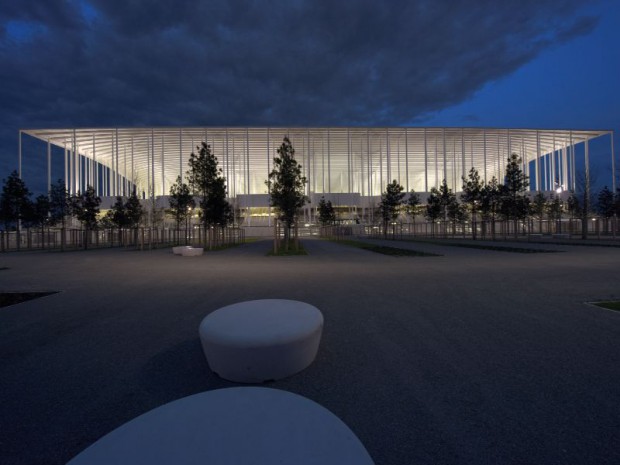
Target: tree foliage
605,205
391,200
327,214
15,203
38,215
473,189
181,202
412,205
60,203
286,185
515,204
206,181
85,207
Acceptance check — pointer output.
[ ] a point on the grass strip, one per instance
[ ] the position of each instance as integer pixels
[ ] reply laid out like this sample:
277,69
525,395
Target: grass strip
496,248
391,251
288,253
579,244
609,305
12,298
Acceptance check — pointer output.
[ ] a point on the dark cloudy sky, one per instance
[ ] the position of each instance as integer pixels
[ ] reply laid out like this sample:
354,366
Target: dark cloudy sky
508,63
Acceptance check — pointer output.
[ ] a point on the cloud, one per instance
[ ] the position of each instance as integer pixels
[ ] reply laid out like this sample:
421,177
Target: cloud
302,62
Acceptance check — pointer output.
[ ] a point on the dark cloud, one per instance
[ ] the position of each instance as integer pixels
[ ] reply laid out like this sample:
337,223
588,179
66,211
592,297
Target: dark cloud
301,62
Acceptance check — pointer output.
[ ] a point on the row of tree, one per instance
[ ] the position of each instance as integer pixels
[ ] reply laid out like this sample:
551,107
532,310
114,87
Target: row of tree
18,209
205,182
493,200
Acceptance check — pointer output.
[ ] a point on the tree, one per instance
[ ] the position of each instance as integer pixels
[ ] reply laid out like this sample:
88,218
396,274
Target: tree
116,217
85,207
490,204
514,203
125,214
206,180
554,210
584,195
456,213
573,208
445,198
133,214
15,203
217,211
38,214
605,206
181,204
327,215
538,208
433,208
60,208
391,200
472,196
286,188
412,206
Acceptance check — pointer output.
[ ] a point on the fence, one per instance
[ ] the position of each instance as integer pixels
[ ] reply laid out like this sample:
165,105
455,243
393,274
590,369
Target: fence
140,238
559,229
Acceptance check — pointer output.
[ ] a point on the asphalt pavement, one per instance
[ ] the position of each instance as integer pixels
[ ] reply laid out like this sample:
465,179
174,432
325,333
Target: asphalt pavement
471,357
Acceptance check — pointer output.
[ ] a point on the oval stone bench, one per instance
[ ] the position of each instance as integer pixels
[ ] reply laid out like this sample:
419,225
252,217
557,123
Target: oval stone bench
178,250
261,340
240,425
192,251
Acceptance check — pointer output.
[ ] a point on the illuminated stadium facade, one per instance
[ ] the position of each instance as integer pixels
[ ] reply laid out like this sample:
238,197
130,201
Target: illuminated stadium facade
349,166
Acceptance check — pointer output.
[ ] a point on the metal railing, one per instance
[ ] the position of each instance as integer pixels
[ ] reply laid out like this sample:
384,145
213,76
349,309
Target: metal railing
138,238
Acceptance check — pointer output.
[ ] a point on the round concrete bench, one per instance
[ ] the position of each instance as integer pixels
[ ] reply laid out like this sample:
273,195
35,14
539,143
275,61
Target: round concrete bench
261,340
192,251
178,250
240,425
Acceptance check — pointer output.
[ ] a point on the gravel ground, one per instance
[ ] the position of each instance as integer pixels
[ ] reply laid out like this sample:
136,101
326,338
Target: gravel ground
476,357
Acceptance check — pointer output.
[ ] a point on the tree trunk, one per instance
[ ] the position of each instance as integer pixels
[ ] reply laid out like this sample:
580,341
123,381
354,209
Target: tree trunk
584,227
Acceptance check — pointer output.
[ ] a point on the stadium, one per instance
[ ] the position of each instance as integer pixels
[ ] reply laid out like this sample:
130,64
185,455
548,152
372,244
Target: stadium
348,165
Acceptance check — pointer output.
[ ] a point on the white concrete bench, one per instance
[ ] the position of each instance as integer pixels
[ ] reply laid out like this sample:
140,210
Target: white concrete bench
261,340
178,250
192,251
241,425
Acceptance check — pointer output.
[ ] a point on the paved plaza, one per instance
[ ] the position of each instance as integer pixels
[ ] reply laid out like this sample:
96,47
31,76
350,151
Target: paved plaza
473,357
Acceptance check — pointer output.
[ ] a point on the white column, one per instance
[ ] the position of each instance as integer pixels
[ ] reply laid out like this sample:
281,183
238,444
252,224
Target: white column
445,155
329,164
425,163
572,162
369,160
181,153
613,165
388,170
95,168
538,186
134,187
247,165
49,166
553,168
484,136
407,158
66,167
349,159
19,155
463,171
565,166
163,173
152,195
74,165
